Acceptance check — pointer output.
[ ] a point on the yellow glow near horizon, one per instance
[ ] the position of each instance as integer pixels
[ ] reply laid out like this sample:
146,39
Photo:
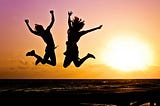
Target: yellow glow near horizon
128,54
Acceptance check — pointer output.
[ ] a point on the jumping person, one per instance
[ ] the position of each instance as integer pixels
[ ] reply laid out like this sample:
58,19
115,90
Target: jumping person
45,34
74,35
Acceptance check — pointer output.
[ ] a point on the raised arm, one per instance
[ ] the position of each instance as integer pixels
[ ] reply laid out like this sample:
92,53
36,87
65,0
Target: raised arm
52,20
27,23
90,30
69,18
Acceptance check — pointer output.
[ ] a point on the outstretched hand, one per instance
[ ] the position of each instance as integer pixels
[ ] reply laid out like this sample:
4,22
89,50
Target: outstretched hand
70,13
100,27
51,11
26,21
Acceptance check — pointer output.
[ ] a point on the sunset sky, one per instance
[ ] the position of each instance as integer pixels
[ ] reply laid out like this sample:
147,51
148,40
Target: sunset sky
135,23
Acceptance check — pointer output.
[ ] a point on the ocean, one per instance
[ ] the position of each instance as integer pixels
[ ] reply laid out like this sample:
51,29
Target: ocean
86,92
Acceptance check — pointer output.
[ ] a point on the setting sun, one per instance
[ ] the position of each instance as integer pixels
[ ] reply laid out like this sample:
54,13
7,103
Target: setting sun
127,54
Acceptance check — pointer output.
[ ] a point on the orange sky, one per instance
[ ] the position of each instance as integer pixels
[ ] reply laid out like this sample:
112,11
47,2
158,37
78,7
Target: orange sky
117,16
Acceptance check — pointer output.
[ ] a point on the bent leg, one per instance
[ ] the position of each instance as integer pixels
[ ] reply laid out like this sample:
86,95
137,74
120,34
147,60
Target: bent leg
67,62
53,59
50,55
32,53
78,62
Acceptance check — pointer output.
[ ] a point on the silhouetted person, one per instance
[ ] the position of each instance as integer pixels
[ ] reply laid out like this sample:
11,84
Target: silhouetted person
46,35
74,34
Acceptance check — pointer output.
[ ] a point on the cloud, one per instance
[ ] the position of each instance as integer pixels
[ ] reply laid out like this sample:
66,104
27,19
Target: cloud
22,67
23,62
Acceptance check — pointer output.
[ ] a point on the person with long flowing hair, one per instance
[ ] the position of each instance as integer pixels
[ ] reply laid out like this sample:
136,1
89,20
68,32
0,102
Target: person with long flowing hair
74,35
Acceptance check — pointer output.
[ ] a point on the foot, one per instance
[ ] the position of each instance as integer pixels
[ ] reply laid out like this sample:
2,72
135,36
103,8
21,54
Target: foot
38,61
31,53
91,55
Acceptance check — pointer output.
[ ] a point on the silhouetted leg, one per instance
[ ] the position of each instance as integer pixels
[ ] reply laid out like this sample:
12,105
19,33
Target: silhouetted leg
53,59
50,55
67,62
39,59
45,58
78,62
32,53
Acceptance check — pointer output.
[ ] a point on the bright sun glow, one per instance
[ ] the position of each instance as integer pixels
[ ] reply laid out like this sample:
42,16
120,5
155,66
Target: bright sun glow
127,54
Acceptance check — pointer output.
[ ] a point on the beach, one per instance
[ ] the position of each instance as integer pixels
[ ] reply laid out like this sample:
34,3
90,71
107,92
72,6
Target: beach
86,92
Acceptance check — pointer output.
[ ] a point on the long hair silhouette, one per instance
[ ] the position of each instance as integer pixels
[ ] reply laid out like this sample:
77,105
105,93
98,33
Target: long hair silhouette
74,35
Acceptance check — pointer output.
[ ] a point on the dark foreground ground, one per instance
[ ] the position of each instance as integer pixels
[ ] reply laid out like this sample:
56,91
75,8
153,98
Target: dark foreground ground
80,98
